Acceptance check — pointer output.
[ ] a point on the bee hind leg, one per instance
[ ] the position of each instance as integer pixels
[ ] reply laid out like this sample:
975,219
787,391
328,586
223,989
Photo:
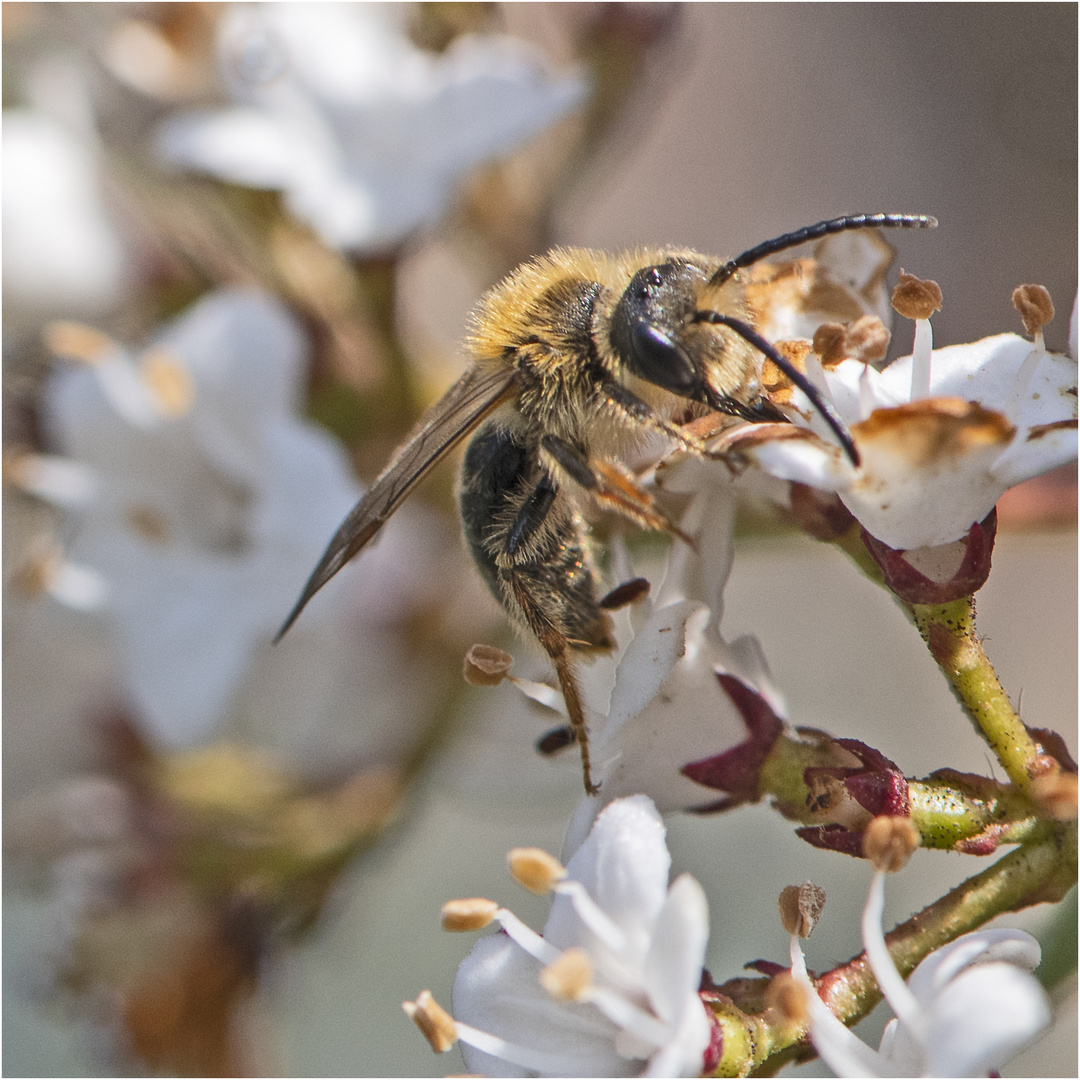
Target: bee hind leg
557,645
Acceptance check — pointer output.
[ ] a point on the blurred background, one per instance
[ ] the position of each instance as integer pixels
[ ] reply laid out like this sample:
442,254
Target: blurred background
236,868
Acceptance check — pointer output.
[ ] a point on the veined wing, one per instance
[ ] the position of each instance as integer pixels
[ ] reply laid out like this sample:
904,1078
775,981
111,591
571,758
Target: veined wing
439,430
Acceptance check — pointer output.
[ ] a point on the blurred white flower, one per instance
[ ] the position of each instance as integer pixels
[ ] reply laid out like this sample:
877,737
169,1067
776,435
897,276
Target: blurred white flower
203,500
966,1010
61,252
611,988
942,434
366,135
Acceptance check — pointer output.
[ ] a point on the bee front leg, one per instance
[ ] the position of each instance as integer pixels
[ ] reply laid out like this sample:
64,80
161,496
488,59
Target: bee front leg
609,486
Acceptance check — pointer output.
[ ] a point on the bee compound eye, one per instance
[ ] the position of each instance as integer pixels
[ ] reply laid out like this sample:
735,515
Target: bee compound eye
658,359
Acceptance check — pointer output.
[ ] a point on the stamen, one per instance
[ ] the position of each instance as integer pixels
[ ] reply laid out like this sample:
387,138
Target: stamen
801,907
841,1049
917,299
435,1023
629,1016
592,915
889,842
1036,309
535,869
789,997
485,665
169,381
58,480
526,937
899,997
574,1063
570,977
45,570
474,913
921,359
866,394
77,341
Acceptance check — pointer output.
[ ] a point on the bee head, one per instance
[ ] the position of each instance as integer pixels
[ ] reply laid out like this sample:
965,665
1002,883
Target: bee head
648,322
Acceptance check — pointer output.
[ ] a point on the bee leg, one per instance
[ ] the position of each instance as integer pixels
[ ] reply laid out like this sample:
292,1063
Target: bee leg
556,644
609,486
628,406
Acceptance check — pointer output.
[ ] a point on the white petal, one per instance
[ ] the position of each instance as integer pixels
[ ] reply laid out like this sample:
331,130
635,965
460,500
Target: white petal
60,250
497,990
996,944
244,146
676,956
983,1018
805,461
624,866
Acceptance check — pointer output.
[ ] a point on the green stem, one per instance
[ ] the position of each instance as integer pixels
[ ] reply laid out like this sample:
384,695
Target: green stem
949,632
1039,872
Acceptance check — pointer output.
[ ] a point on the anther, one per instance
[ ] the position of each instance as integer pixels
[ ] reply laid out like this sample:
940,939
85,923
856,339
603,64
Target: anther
486,665
787,997
473,913
76,341
535,869
914,298
570,977
801,907
169,381
1035,306
889,841
436,1024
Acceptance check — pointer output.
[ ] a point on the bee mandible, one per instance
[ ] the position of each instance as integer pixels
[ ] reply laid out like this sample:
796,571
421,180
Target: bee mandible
576,356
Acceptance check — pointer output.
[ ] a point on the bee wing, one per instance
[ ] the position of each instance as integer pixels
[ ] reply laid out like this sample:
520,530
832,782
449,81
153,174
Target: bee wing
440,429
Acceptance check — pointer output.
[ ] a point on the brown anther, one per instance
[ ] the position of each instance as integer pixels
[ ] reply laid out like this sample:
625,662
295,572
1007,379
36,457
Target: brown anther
788,997
76,341
1056,795
829,343
535,869
801,907
148,523
1035,306
889,841
472,913
777,383
867,339
486,666
40,568
436,1024
170,382
570,977
914,298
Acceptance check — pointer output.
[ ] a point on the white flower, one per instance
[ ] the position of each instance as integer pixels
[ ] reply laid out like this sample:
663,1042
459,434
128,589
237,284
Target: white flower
205,501
366,135
61,252
682,694
966,1010
641,944
941,434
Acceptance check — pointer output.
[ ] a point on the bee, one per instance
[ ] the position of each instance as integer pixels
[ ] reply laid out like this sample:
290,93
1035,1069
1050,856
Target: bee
574,357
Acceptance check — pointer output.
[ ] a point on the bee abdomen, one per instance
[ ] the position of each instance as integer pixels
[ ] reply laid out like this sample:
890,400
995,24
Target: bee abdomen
522,536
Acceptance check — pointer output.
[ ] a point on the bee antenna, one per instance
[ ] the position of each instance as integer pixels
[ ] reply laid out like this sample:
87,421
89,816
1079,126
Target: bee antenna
814,232
829,414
